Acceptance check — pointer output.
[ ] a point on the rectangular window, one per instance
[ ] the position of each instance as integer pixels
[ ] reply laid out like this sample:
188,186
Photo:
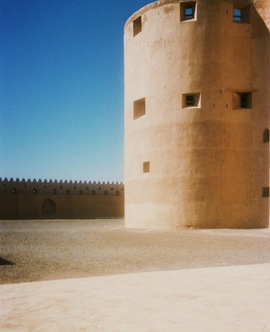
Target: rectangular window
137,26
266,136
146,167
241,14
191,100
242,100
138,108
237,15
187,10
265,192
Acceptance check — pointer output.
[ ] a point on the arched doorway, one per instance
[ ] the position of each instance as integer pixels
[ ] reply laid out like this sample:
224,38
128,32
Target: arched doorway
48,207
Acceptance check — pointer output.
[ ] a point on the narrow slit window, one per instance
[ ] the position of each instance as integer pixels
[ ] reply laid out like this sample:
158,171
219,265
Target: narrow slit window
138,108
265,192
191,100
266,136
137,26
187,10
146,167
242,100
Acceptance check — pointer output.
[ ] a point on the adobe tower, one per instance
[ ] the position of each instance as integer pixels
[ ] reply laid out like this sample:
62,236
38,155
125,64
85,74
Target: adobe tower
197,100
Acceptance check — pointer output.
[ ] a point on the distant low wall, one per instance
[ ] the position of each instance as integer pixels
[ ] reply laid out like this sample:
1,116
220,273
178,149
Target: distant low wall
21,199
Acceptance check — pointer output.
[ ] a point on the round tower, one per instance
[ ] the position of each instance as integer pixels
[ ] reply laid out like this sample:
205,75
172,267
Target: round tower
197,115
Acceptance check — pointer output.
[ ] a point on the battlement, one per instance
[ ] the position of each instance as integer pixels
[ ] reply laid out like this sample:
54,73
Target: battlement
55,187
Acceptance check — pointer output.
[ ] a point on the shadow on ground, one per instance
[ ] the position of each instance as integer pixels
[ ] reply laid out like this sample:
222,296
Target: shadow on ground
5,262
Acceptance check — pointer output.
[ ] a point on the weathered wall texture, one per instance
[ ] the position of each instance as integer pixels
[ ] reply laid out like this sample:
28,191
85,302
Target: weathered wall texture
48,199
203,164
263,8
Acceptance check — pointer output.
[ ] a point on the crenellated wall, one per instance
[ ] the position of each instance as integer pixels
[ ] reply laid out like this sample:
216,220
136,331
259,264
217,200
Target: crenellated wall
30,199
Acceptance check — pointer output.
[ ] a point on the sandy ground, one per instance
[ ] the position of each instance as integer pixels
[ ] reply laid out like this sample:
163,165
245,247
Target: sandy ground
46,250
102,277
234,298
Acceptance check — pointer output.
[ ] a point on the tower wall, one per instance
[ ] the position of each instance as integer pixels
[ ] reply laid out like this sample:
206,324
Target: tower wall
202,165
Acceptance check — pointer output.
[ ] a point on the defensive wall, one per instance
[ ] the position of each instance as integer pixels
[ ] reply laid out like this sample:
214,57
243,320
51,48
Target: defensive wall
197,101
32,199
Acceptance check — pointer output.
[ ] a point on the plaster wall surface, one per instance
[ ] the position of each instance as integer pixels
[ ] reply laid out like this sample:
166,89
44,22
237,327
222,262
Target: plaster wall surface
207,163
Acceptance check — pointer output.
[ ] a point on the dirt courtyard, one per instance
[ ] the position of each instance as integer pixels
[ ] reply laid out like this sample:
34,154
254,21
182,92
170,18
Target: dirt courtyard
61,249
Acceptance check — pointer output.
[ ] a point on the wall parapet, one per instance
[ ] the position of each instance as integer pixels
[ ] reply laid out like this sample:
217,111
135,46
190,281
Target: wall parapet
60,187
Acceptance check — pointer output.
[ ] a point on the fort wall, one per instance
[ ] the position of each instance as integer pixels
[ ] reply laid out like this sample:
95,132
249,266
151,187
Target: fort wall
31,199
197,115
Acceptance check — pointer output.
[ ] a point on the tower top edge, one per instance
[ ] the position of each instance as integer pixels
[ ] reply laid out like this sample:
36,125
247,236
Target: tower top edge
151,5
262,6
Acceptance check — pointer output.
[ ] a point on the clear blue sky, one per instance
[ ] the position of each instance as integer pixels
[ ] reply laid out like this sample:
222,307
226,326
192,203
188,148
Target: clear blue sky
62,88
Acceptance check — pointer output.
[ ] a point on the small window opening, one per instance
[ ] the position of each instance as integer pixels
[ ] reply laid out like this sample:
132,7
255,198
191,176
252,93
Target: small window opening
265,192
187,10
93,192
14,191
242,100
191,100
117,193
138,108
137,26
237,15
266,136
189,13
241,14
34,191
105,192
3,186
146,167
